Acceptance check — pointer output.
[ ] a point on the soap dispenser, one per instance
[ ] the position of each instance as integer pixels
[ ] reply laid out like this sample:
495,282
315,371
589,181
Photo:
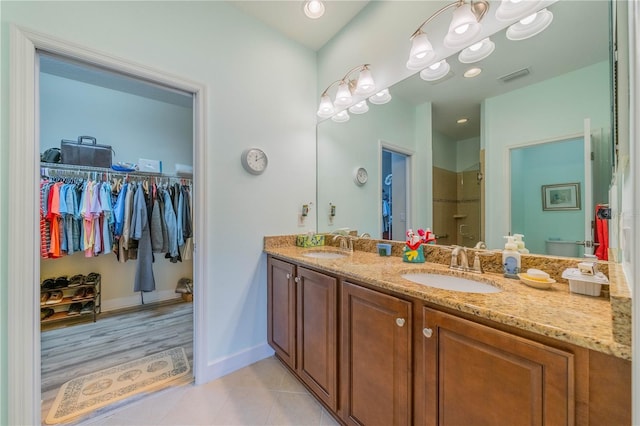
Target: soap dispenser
511,258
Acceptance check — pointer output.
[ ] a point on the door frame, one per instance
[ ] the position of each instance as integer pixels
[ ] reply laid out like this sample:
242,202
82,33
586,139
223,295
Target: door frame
409,179
507,162
24,363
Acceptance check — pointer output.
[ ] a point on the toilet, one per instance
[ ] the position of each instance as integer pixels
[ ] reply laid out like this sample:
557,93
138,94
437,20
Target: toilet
562,248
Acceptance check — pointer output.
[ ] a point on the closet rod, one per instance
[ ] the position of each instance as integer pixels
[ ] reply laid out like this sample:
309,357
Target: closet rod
75,168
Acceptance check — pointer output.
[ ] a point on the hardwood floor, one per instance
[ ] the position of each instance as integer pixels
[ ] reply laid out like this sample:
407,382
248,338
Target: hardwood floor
117,337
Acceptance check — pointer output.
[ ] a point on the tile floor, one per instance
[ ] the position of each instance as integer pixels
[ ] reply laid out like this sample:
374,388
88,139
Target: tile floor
264,393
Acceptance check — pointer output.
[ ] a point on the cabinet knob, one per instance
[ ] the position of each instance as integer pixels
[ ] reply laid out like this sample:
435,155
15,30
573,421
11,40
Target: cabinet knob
297,279
427,332
400,322
288,276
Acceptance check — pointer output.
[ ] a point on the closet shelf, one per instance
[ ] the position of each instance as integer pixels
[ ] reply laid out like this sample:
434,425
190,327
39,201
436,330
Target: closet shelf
102,170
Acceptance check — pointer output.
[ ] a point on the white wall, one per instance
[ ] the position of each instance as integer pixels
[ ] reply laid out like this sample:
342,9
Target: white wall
552,109
252,100
135,126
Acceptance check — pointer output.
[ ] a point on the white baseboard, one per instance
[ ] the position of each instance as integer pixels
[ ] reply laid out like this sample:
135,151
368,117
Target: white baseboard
223,366
130,301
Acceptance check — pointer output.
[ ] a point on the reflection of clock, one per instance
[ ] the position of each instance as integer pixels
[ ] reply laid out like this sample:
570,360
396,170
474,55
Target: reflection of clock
254,160
361,176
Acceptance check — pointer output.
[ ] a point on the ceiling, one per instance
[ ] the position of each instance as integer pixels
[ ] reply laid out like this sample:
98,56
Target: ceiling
288,17
577,37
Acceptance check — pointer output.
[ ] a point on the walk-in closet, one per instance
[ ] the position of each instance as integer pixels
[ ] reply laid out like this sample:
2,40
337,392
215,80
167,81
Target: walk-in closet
116,249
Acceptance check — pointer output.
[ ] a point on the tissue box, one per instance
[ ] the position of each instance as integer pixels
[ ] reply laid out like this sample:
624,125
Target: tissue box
310,240
149,166
591,285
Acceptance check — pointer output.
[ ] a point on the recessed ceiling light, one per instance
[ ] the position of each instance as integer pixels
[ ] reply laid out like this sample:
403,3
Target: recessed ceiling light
462,120
472,72
314,9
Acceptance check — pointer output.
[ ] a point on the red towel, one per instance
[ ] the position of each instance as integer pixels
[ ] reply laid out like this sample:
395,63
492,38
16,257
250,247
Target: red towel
601,235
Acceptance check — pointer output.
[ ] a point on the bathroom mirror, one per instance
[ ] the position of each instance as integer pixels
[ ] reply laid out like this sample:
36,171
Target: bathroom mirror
463,170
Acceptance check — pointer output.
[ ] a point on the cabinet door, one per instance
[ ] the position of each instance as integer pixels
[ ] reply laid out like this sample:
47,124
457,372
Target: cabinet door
317,333
281,310
476,375
375,358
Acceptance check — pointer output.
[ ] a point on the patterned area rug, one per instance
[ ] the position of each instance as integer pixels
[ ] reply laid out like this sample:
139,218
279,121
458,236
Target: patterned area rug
87,393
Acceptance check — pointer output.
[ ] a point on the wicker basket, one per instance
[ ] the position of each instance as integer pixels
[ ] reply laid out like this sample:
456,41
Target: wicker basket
187,297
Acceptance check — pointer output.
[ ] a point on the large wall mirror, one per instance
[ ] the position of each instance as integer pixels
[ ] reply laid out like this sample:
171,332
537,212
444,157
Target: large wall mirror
470,182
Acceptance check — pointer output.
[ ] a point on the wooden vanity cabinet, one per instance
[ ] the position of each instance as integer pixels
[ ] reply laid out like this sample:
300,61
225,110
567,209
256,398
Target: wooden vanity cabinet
375,358
472,374
302,325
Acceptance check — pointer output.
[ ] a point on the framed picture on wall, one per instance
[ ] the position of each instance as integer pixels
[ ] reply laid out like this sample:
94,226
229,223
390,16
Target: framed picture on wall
562,196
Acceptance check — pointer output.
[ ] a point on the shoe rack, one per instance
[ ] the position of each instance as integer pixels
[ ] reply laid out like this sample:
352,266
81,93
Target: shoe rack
66,298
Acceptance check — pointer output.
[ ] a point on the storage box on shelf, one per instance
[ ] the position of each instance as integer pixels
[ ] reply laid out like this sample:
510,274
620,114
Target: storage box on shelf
65,298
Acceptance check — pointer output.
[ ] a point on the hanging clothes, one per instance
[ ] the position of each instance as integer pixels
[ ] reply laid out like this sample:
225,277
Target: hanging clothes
103,217
144,279
601,233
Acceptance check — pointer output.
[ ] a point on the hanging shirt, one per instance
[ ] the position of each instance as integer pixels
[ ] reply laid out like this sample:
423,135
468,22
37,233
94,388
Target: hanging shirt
144,279
170,219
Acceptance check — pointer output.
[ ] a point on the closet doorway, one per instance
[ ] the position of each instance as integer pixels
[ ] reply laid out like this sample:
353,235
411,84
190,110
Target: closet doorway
119,304
24,267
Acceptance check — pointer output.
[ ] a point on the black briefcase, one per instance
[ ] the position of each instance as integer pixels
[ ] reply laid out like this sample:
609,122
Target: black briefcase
86,152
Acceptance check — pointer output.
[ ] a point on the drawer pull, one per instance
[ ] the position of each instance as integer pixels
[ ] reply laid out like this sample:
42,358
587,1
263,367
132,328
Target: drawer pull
400,322
297,279
288,276
427,332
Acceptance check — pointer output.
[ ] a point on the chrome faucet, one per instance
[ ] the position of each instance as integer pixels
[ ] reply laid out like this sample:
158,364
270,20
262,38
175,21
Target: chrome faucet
365,235
480,245
462,263
346,242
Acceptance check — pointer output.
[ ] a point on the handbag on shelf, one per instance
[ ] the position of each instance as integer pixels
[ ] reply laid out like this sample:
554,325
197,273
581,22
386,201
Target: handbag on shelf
83,153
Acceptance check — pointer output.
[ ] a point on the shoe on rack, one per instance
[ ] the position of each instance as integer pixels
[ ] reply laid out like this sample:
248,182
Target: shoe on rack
88,308
90,292
76,280
80,294
55,297
61,282
46,313
44,297
92,278
74,309
48,284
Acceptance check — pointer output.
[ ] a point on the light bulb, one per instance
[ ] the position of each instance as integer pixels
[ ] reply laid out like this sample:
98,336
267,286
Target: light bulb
436,65
475,47
314,9
341,117
343,97
461,29
529,19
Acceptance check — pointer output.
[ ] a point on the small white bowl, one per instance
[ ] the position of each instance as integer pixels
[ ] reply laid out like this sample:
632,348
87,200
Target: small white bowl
536,282
537,273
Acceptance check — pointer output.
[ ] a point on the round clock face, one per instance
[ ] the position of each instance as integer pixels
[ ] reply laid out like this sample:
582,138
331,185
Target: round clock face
361,176
254,160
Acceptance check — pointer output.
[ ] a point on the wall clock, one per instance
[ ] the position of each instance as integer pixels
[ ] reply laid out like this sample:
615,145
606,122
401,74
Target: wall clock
254,160
361,176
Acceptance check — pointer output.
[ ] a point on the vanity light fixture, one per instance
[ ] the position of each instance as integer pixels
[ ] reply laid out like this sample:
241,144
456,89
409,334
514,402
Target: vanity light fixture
362,86
529,26
477,51
472,72
464,27
314,9
341,117
380,98
359,108
435,71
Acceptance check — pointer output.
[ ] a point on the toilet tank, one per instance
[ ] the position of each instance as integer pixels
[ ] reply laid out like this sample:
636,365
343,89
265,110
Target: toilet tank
561,248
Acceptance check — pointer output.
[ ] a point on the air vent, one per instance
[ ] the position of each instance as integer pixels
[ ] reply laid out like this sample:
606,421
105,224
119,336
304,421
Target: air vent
514,75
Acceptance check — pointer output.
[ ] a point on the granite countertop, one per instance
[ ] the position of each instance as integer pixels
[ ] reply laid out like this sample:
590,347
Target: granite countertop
557,313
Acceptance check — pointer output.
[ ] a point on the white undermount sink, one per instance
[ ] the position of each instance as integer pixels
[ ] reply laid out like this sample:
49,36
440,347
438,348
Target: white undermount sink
324,254
450,282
